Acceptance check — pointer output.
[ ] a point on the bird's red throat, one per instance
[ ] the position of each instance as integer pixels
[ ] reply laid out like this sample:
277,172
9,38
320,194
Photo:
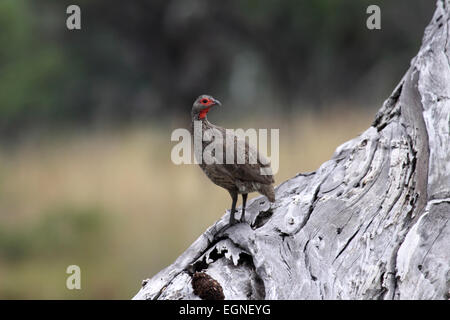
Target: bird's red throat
203,113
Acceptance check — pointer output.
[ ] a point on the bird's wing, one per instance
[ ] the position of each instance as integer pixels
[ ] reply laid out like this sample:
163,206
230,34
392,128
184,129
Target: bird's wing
249,172
253,168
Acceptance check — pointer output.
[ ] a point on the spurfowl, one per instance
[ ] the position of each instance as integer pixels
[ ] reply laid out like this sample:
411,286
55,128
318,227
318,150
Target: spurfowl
233,175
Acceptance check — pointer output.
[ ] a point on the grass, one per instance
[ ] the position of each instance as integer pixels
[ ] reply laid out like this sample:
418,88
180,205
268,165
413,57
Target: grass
113,203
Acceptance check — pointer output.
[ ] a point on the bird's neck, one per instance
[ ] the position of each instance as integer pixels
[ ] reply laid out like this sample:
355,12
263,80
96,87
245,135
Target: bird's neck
205,124
198,117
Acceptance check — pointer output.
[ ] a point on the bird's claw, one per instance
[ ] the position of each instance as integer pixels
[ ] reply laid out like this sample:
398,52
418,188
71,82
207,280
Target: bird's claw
232,218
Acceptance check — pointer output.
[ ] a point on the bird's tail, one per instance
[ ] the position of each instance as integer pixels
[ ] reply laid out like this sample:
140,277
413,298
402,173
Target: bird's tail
268,191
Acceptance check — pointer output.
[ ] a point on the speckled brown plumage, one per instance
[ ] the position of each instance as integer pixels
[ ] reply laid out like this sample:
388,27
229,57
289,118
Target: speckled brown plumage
206,287
235,177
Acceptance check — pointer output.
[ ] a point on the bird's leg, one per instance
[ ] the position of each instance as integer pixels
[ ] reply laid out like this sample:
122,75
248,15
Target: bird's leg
244,201
234,197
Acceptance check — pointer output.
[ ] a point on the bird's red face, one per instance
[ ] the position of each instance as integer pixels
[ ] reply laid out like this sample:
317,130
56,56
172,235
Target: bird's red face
207,101
203,104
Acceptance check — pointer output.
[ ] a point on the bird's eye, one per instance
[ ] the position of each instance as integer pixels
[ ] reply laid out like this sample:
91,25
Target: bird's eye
204,101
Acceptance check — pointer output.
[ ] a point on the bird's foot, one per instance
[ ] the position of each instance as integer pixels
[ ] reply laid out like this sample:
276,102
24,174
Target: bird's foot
233,221
242,217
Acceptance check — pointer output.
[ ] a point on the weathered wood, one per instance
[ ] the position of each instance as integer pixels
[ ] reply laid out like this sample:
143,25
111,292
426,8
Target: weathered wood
371,223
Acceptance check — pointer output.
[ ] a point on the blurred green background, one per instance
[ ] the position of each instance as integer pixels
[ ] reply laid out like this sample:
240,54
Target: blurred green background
86,117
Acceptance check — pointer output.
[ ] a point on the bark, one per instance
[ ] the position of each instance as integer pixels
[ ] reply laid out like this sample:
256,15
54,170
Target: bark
371,223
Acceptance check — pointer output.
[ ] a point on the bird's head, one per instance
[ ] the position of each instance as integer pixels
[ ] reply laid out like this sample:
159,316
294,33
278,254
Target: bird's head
202,105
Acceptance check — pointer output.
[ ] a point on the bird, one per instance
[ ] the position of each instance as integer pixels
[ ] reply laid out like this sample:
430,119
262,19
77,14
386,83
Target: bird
237,178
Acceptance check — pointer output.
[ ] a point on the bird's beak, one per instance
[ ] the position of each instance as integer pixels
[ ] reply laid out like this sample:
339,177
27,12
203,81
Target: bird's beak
217,102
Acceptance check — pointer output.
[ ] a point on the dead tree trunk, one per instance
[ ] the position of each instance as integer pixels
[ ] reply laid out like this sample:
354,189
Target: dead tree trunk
371,223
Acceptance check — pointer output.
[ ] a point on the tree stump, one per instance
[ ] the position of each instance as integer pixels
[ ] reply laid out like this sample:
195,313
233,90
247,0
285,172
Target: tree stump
371,223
